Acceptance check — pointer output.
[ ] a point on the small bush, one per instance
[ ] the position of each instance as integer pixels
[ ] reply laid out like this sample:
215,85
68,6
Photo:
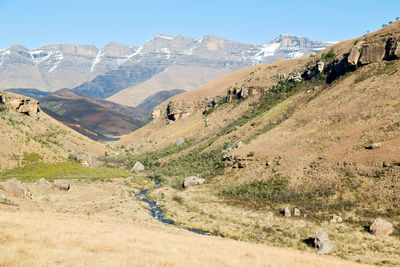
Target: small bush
271,189
330,56
178,199
73,157
3,108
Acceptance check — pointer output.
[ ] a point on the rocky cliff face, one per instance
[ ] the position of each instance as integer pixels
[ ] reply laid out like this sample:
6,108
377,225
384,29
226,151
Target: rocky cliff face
102,72
20,104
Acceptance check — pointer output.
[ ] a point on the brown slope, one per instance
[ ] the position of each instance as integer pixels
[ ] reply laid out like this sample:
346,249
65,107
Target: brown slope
100,117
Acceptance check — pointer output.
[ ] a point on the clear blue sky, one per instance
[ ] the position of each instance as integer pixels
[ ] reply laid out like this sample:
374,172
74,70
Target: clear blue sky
34,23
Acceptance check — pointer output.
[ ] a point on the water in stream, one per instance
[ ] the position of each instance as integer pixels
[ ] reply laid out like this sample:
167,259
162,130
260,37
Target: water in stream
157,213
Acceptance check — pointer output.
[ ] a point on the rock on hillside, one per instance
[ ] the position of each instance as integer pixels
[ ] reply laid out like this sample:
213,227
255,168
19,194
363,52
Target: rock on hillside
23,133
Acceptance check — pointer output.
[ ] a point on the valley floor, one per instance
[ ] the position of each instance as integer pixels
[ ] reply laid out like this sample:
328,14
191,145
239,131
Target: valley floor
99,223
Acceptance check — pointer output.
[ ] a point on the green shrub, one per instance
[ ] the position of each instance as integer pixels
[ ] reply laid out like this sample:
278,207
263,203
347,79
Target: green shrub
3,108
329,57
273,189
250,154
74,158
208,111
178,199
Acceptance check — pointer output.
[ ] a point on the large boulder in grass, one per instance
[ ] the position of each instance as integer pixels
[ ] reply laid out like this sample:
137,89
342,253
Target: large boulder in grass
381,227
2,195
180,141
322,243
138,167
15,188
192,180
61,185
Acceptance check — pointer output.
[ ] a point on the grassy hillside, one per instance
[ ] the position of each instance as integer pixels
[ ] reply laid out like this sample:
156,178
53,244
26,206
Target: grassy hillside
325,143
54,142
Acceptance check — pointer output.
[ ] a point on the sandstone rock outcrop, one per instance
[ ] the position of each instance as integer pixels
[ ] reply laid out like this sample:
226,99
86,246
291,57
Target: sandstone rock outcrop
61,185
180,141
138,167
296,212
235,161
15,188
244,92
286,212
20,104
322,243
336,219
192,180
381,227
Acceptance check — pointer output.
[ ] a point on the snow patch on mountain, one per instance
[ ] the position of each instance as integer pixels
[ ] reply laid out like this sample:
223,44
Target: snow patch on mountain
166,52
97,59
266,50
58,57
137,52
3,53
190,50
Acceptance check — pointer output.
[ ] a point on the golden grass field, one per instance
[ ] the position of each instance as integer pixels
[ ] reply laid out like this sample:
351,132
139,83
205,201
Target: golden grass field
98,223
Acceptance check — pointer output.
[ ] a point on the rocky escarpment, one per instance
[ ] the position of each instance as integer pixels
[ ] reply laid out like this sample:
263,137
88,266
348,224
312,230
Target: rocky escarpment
20,104
175,110
363,52
329,66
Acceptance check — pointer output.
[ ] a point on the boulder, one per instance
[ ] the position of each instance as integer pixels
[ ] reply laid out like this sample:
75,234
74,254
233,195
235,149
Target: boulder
241,165
354,55
286,212
192,180
296,212
15,188
180,141
381,227
138,167
372,52
322,243
239,145
373,146
320,66
296,77
61,185
336,219
2,195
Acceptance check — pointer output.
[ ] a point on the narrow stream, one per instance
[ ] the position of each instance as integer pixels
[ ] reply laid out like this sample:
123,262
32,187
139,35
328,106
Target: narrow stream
157,213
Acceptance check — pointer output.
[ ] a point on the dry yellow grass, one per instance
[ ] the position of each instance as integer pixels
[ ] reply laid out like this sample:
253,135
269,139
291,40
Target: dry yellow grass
70,230
200,208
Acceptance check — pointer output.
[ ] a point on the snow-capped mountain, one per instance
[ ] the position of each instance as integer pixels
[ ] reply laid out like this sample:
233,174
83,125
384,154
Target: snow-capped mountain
103,72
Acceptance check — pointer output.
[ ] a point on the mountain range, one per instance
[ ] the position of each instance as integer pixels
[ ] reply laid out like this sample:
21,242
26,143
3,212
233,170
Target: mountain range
129,74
